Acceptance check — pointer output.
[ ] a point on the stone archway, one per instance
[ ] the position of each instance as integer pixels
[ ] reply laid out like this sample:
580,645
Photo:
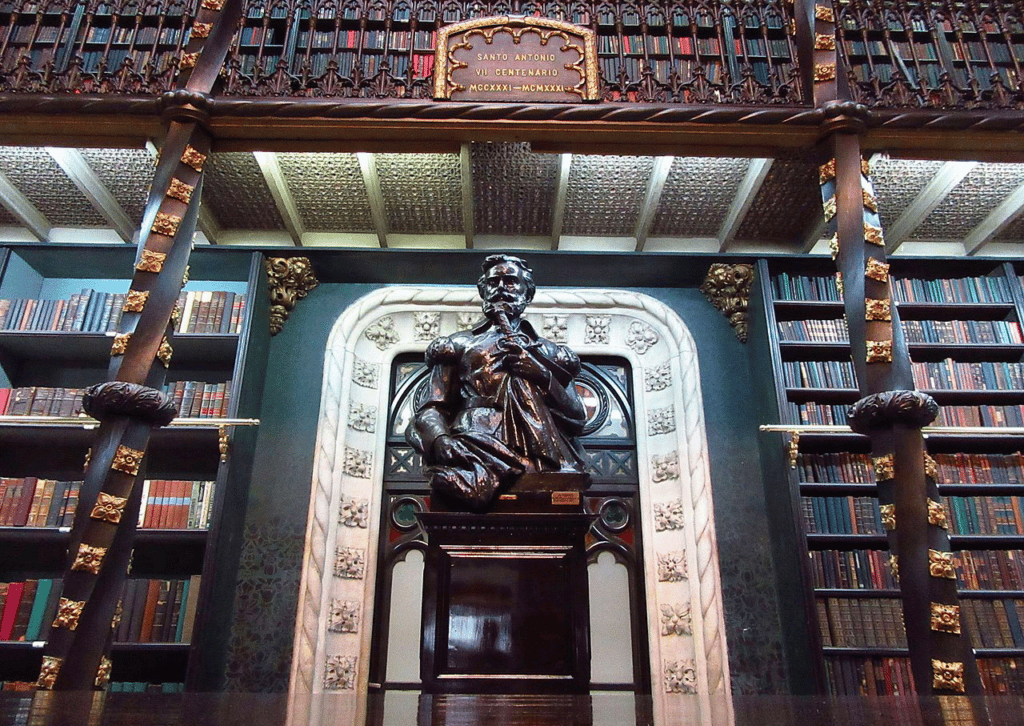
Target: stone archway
689,664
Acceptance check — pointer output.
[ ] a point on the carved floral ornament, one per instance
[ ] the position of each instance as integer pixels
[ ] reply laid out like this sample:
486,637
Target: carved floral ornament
728,289
290,279
360,352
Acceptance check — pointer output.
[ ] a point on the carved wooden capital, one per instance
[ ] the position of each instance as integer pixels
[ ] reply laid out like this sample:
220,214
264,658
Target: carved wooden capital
728,289
118,398
290,279
884,409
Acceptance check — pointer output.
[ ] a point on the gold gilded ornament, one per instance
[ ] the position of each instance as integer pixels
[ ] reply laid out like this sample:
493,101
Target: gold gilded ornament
885,467
68,613
108,508
839,283
833,246
176,316
947,676
824,42
824,12
88,457
188,60
877,270
829,208
166,224
873,234
888,512
894,567
48,673
937,515
869,201
135,301
120,344
118,612
946,618
193,158
931,467
201,30
184,278
879,351
827,171
103,672
127,460
877,310
865,167
824,72
165,352
941,564
89,559
151,261
214,5
180,190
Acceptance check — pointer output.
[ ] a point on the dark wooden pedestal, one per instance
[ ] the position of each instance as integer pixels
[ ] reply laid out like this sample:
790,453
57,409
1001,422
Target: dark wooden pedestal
505,603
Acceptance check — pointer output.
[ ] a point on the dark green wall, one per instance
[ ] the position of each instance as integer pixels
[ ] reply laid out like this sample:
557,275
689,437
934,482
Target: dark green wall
268,579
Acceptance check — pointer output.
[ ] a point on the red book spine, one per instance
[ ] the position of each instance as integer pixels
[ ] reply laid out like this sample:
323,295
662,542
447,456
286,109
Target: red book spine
14,592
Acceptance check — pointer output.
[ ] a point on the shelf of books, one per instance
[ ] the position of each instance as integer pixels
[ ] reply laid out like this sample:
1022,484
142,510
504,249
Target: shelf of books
56,330
964,336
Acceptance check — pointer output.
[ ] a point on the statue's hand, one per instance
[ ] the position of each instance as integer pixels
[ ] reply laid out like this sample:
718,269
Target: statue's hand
523,364
448,449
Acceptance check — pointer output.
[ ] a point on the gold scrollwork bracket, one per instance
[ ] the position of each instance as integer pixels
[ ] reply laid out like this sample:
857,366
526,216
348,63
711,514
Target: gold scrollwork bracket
290,279
727,287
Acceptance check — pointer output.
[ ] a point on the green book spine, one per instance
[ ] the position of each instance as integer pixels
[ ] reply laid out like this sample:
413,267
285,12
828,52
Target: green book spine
35,618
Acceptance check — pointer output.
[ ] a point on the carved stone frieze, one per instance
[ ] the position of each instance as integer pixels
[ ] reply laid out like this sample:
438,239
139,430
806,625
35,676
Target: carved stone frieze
883,409
669,515
466,321
658,378
661,420
641,337
349,563
598,329
676,619
365,374
728,289
344,616
358,463
664,467
556,328
290,279
362,418
681,676
426,326
672,566
340,673
354,512
382,333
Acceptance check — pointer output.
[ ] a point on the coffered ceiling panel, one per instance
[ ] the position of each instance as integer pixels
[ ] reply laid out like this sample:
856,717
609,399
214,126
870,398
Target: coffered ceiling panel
697,196
971,201
36,175
788,205
329,191
513,189
1014,231
422,192
126,173
237,194
605,194
897,183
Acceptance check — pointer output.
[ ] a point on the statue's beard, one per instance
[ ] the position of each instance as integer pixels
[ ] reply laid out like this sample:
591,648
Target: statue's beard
512,309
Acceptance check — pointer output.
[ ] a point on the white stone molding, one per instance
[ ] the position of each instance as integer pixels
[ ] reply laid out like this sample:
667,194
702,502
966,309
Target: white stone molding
672,466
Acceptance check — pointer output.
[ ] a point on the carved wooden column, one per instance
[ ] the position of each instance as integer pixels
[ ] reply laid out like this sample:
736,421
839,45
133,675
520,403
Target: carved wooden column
131,404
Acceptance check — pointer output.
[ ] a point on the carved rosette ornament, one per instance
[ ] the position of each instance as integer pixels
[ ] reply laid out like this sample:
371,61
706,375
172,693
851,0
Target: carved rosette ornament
727,287
881,410
947,676
945,618
48,672
290,279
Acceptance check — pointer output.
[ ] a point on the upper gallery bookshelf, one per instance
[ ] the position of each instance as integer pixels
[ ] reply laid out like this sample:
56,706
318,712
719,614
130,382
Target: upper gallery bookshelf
964,335
59,313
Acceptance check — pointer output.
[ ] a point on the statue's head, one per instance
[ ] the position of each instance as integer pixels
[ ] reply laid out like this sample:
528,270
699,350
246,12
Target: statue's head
506,284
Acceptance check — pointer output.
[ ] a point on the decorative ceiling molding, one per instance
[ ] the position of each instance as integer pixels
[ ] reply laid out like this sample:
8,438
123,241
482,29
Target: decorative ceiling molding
368,166
93,189
757,172
558,214
19,205
652,199
283,198
1007,211
944,181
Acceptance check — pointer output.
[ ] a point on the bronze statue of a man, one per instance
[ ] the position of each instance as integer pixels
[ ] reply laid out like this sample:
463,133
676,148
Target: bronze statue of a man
500,401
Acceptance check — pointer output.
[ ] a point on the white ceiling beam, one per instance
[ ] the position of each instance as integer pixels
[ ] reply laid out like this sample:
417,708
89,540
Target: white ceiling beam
278,185
378,212
757,172
935,192
466,164
814,236
208,224
92,188
652,198
19,205
561,189
997,219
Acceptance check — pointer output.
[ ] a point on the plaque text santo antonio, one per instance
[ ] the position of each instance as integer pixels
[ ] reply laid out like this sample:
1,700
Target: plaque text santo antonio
515,58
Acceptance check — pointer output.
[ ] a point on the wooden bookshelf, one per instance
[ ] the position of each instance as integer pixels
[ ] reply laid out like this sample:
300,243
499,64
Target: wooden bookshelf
186,548
964,333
